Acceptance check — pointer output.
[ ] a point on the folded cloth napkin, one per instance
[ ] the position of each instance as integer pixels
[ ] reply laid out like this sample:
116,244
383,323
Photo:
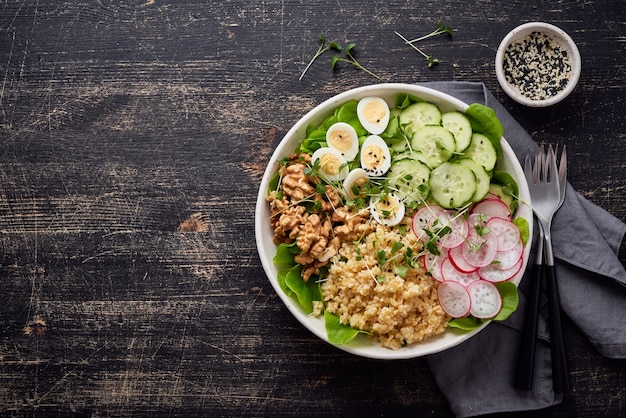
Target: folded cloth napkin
477,376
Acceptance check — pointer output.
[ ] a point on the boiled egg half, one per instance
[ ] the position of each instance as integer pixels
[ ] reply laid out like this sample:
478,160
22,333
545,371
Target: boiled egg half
388,210
373,113
353,183
375,156
342,137
332,165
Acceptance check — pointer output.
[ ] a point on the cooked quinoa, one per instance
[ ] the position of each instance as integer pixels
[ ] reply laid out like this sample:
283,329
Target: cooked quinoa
395,310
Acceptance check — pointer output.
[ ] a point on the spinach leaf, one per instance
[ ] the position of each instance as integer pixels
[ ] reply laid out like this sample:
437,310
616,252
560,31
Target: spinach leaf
510,300
466,324
300,288
285,255
485,121
337,332
281,277
403,100
524,228
347,113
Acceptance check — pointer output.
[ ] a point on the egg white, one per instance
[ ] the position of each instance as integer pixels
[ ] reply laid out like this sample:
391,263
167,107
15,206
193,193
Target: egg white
337,160
354,177
397,211
377,163
373,113
349,145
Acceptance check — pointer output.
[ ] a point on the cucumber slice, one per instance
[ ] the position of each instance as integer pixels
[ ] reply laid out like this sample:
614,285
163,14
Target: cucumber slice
452,185
435,142
408,178
482,151
417,115
400,147
461,128
482,178
411,154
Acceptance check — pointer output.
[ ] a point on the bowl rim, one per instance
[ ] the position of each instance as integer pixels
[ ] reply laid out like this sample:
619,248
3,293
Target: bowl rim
555,32
263,233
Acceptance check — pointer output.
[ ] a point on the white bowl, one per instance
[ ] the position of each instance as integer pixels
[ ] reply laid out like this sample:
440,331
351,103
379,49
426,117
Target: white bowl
267,249
560,39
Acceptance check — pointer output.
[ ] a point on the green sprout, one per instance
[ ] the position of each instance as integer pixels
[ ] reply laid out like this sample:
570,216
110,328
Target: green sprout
441,29
351,60
322,48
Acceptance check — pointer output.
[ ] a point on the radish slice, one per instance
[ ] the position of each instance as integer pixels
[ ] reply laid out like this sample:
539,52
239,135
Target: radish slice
493,208
450,272
504,260
459,229
479,250
432,263
486,301
454,299
421,220
494,274
456,258
507,232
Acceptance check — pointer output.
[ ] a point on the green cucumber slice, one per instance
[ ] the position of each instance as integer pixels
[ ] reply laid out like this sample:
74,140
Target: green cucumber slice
461,128
435,142
482,151
408,178
417,115
482,178
452,185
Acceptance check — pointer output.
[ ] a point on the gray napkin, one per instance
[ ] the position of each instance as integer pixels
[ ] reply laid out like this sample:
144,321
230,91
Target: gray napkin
477,376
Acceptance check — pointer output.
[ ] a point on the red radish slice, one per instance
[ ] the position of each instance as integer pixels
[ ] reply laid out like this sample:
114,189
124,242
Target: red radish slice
480,250
449,272
486,301
507,232
421,220
454,299
494,274
456,258
459,229
432,263
493,207
504,260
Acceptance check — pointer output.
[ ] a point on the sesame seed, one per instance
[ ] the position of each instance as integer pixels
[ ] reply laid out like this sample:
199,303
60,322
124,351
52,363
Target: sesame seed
537,65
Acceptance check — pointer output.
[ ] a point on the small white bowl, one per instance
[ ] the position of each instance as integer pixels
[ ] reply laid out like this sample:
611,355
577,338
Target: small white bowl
264,233
537,96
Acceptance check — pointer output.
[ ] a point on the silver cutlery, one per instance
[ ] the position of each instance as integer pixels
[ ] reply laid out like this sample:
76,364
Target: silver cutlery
547,192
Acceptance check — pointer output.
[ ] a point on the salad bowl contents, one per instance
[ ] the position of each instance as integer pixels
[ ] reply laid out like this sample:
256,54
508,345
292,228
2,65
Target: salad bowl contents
393,221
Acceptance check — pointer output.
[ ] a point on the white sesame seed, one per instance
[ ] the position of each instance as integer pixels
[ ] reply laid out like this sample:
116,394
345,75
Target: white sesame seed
537,65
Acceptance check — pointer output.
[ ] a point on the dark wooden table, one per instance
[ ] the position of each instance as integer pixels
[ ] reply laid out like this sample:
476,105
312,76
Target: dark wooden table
122,120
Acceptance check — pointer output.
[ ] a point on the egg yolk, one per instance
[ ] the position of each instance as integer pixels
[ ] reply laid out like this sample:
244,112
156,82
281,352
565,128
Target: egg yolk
373,156
340,139
330,164
374,112
387,207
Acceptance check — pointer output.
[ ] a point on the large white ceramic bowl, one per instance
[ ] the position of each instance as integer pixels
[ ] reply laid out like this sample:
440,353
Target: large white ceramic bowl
362,346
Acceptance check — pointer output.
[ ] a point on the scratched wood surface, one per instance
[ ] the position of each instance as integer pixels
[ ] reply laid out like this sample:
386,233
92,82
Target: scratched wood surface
133,136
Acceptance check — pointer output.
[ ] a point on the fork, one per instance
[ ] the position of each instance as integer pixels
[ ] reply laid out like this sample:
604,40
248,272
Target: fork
547,191
560,376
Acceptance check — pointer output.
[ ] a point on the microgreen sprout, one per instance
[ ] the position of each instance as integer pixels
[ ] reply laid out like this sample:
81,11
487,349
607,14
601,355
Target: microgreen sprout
441,29
351,60
322,48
